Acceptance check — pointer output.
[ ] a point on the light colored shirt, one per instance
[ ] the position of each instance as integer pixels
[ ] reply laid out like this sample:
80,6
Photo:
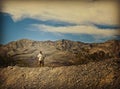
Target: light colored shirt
40,57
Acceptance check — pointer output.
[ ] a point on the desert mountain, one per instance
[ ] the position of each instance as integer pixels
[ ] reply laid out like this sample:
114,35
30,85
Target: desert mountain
68,65
58,53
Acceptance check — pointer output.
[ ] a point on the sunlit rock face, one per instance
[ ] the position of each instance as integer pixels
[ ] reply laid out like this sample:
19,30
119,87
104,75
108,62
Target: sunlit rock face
58,53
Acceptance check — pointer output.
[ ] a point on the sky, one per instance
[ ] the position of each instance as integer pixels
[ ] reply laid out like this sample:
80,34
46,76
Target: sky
86,21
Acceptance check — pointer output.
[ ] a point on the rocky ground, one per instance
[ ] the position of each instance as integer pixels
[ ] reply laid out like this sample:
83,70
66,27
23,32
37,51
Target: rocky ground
94,75
68,65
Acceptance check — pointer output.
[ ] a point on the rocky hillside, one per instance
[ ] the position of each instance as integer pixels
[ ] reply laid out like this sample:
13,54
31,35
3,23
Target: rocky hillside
58,53
68,65
94,75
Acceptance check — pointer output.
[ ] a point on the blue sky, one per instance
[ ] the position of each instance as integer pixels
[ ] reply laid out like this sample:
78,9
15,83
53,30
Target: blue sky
12,31
48,21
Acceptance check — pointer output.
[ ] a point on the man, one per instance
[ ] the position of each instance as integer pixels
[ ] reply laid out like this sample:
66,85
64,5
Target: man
41,58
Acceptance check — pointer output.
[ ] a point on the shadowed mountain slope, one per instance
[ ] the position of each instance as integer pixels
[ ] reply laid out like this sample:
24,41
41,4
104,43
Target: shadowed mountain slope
59,53
68,65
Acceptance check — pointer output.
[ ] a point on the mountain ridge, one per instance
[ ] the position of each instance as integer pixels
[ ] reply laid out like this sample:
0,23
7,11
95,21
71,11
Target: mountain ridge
68,65
63,52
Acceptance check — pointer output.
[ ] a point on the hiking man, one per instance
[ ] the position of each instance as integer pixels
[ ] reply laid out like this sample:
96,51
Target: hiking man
41,58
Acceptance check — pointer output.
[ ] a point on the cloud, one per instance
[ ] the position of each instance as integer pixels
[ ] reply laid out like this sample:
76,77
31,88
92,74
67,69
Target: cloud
79,29
102,12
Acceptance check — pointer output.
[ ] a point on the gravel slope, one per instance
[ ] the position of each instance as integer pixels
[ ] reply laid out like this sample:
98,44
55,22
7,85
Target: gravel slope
94,75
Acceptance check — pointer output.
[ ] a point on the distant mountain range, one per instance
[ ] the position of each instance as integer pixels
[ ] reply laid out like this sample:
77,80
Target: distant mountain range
60,52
